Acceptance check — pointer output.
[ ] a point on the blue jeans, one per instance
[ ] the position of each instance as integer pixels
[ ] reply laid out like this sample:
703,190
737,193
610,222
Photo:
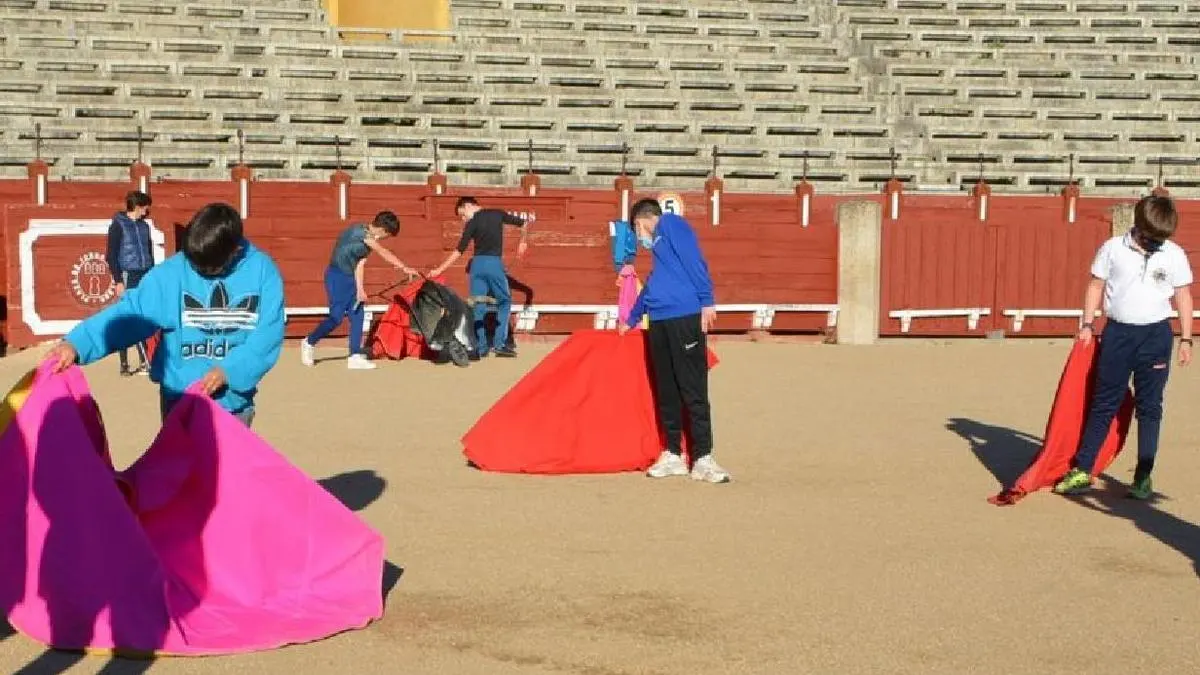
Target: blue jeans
343,303
489,278
1125,349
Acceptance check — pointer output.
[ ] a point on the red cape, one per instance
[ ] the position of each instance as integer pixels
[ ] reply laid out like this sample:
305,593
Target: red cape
152,345
588,407
1064,429
394,336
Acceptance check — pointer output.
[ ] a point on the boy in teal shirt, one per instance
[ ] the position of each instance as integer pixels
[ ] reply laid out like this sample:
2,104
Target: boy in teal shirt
219,304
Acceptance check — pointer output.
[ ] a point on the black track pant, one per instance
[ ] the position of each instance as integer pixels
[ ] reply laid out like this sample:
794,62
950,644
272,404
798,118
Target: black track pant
679,352
131,280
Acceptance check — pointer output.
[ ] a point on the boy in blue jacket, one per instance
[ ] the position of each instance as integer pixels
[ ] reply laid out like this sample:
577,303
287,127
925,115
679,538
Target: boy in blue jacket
678,296
219,304
130,255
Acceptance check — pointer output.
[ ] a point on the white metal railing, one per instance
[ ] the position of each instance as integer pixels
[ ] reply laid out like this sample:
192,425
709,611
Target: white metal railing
604,317
1018,316
972,315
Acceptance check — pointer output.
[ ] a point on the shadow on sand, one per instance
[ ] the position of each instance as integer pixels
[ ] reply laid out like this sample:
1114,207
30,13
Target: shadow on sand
357,490
1007,452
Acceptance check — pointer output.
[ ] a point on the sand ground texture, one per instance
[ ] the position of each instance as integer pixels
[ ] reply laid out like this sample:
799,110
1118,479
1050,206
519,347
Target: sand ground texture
855,539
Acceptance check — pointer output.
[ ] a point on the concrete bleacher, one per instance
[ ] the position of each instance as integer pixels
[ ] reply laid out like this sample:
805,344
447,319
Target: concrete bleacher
1017,84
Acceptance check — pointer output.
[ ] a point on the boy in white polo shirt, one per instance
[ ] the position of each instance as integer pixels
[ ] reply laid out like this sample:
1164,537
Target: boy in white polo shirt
1137,274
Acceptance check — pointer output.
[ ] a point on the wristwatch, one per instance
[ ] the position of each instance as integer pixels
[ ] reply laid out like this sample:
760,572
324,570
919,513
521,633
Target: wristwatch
1186,340
1088,326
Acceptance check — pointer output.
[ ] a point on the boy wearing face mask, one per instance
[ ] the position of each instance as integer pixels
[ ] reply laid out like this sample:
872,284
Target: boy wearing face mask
1136,275
678,297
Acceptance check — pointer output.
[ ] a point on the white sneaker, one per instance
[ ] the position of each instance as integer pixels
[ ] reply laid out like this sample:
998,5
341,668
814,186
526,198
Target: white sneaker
307,353
359,362
668,464
707,470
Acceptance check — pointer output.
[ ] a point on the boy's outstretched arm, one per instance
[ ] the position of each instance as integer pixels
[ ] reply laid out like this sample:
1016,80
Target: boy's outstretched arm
250,361
464,241
523,223
389,257
134,318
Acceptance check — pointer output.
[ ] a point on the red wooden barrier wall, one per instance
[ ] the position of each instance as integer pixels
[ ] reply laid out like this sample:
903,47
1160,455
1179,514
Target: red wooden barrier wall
937,256
759,253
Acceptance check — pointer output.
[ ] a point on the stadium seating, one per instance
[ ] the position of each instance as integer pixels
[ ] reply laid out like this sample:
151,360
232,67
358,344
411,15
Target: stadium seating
1017,86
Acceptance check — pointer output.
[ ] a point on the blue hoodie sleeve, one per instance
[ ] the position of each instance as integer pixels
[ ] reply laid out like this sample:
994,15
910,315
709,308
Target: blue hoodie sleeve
687,248
250,361
134,318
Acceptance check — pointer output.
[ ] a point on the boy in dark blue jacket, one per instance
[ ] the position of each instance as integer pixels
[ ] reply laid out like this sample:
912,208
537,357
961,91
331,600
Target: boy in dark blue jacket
678,296
130,255
219,304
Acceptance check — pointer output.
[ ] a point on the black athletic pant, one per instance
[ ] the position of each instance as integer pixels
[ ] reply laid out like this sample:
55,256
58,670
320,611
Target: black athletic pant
679,353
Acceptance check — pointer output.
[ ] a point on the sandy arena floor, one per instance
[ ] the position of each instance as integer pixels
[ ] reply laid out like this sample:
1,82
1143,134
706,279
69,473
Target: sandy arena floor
855,539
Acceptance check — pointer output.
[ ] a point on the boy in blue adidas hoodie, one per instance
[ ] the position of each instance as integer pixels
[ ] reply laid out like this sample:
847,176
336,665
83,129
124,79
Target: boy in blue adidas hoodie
219,304
678,296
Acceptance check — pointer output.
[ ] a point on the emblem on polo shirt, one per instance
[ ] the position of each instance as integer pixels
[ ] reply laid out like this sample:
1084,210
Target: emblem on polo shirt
1159,275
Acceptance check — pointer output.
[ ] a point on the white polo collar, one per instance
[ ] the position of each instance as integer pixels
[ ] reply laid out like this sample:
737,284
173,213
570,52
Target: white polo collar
1133,246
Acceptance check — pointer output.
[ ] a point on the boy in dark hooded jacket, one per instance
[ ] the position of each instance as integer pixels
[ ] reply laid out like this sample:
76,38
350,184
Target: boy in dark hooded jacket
130,255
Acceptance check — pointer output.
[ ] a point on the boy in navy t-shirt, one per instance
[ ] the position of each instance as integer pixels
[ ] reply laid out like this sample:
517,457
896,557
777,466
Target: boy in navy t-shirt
344,284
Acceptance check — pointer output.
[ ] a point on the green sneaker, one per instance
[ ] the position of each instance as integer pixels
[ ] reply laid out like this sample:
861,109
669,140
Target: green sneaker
1141,489
1075,482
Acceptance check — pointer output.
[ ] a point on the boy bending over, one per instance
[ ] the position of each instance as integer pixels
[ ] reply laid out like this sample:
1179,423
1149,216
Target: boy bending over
678,296
1137,275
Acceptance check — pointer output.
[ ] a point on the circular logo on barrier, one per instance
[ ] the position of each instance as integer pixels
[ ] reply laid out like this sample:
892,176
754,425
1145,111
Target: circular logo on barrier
91,280
671,203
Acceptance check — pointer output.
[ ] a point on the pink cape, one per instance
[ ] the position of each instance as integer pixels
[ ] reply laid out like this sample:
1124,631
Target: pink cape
627,295
210,543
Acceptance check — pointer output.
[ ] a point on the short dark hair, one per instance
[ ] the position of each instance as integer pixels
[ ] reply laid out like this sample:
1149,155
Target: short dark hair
387,221
645,208
213,238
464,201
1155,217
136,199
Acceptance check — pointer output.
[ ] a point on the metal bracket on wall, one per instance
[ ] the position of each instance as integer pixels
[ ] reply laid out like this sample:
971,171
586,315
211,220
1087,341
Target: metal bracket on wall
973,314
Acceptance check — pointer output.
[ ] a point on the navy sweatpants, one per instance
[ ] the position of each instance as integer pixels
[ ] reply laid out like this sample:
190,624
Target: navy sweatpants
131,280
1145,353
342,292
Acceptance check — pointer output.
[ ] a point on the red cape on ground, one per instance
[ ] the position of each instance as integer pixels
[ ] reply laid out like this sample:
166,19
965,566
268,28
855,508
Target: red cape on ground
395,337
588,407
1064,429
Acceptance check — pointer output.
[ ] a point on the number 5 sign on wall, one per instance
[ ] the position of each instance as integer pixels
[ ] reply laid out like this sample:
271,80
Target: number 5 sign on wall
671,203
